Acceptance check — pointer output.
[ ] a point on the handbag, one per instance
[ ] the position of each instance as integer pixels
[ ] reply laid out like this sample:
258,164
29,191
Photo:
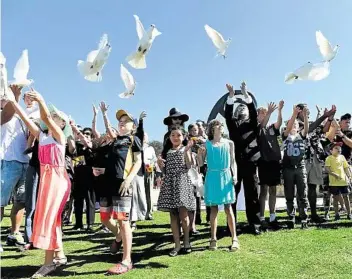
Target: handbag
196,180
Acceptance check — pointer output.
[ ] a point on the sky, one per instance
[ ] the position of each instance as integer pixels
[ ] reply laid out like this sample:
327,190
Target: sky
269,39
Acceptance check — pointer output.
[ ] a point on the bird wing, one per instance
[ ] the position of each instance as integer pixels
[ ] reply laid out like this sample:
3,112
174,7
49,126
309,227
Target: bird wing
319,71
103,41
92,55
22,67
323,44
139,27
303,71
215,36
127,79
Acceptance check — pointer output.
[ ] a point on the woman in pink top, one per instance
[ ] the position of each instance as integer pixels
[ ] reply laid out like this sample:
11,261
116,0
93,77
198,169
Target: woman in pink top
54,187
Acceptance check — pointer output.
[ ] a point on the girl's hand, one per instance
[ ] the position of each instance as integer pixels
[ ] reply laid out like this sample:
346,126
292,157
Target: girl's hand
189,145
161,162
35,96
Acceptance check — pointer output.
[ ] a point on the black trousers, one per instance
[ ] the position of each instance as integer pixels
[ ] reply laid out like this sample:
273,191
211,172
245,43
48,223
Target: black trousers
247,173
84,191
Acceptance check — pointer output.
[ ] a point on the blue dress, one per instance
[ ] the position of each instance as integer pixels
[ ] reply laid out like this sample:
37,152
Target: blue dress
219,187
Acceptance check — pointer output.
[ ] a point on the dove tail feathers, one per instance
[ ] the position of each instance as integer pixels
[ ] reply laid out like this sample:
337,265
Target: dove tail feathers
137,60
290,78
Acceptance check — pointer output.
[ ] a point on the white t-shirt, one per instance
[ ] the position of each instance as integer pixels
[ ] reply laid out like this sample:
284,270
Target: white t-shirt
14,141
149,155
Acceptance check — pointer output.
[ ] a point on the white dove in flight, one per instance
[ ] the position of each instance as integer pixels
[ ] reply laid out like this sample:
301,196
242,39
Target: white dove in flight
301,73
129,82
309,71
146,39
218,40
3,77
319,71
92,68
21,70
326,50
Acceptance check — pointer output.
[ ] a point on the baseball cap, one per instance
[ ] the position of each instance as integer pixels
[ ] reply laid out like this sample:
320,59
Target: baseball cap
121,113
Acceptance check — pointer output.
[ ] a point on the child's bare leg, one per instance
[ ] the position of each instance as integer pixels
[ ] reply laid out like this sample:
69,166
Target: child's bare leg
175,228
183,213
213,222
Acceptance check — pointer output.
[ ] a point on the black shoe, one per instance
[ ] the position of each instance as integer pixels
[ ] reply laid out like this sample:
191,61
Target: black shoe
255,229
89,230
264,226
316,219
291,224
304,225
275,225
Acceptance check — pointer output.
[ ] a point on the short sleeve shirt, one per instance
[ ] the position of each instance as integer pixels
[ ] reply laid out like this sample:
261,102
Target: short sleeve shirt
120,156
337,165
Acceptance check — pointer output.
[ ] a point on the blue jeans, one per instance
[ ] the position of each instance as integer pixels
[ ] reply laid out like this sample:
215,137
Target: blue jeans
13,174
31,186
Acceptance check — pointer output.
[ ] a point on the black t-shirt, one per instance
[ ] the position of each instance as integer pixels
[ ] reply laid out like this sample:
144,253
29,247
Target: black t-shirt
120,156
268,143
101,156
34,161
87,153
345,150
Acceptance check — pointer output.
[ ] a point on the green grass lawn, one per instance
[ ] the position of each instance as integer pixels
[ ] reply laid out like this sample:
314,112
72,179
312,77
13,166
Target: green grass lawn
319,252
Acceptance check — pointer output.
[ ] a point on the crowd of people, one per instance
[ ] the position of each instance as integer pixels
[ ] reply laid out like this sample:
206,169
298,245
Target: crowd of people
51,167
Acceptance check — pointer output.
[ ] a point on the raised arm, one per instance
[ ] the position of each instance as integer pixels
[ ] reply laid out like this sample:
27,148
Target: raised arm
345,139
140,128
306,122
229,105
271,108
71,145
82,138
109,130
291,122
317,123
96,134
33,128
45,115
9,110
278,123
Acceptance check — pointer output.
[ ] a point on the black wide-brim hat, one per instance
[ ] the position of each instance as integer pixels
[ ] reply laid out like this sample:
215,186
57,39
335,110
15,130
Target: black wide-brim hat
175,113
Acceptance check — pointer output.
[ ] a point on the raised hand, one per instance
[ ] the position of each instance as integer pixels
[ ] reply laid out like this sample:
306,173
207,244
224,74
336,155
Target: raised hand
95,110
230,89
272,107
189,145
16,90
281,105
296,110
103,107
331,112
244,89
143,115
34,95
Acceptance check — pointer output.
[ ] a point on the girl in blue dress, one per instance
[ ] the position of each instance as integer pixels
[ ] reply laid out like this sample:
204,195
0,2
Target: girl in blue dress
220,179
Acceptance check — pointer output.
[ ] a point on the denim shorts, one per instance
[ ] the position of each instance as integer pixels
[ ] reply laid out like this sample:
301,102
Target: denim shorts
13,176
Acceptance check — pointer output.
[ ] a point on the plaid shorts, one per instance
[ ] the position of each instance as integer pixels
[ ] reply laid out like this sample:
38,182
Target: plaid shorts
118,208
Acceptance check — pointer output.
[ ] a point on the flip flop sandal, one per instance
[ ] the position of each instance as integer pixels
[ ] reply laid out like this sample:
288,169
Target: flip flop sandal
120,268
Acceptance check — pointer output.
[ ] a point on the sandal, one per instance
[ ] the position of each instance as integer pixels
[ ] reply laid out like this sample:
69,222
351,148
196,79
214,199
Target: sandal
60,261
120,268
174,252
213,245
44,270
187,249
235,245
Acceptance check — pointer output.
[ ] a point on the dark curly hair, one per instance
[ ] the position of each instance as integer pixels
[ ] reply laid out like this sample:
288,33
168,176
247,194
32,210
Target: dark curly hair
210,129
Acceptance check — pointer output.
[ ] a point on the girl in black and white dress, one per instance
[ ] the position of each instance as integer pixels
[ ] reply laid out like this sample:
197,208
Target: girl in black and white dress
177,194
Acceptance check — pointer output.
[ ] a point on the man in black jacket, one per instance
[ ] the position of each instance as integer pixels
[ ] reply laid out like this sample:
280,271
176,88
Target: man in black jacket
243,131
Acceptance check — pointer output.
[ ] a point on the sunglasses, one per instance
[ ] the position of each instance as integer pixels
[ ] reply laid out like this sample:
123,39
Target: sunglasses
87,134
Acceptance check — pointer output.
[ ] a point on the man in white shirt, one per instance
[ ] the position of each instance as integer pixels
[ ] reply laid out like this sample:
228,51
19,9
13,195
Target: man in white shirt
14,165
150,165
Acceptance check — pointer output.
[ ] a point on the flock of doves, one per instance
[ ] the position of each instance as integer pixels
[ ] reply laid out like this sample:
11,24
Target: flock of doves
91,69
